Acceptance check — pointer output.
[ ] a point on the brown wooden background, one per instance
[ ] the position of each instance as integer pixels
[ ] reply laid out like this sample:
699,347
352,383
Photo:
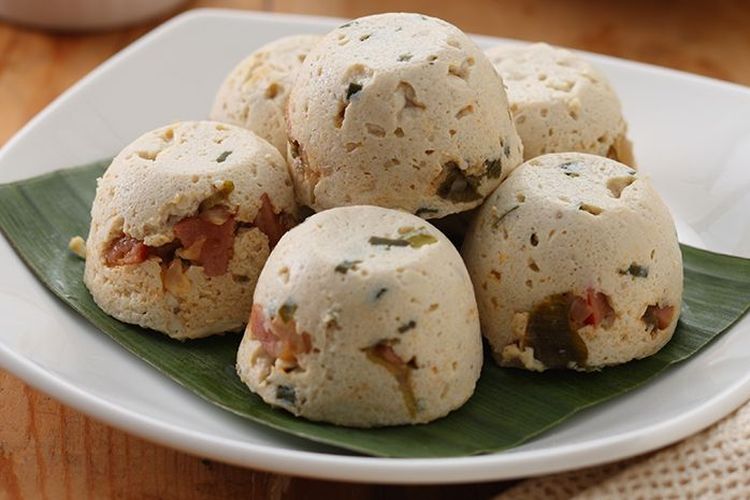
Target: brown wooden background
50,451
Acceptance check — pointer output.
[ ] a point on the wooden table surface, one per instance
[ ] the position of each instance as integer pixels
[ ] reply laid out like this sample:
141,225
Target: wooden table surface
50,451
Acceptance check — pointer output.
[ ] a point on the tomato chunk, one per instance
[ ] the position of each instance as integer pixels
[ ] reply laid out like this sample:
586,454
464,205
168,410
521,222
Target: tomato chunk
591,309
279,338
658,317
271,224
214,232
125,250
206,239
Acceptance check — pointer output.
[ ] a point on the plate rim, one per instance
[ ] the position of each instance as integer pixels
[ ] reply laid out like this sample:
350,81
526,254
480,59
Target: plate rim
496,466
449,470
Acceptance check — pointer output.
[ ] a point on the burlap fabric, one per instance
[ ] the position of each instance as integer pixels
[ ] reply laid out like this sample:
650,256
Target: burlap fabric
712,464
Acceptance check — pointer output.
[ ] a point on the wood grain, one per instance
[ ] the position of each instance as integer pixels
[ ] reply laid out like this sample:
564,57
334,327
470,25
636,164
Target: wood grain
50,451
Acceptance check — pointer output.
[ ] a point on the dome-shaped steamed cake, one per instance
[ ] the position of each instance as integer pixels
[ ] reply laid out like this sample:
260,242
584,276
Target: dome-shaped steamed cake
254,94
363,316
400,111
182,223
561,103
575,263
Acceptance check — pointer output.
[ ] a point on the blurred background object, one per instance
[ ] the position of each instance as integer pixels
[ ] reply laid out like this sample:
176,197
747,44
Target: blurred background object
708,38
83,14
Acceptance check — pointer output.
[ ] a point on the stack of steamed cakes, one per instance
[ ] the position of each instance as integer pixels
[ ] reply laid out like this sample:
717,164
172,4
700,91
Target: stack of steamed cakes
365,314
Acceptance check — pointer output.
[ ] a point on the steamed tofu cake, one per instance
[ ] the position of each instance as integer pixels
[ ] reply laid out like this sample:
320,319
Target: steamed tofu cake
255,93
576,264
561,103
363,316
400,111
182,222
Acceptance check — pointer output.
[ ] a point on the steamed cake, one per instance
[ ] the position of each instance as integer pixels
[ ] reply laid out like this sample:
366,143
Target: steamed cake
575,263
561,103
255,93
182,223
400,111
363,316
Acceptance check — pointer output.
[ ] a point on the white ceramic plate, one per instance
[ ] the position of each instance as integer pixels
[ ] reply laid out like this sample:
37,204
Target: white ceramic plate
692,135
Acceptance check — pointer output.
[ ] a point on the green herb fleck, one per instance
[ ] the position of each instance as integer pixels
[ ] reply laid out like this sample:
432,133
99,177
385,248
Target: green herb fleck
494,168
506,150
424,211
346,25
389,242
457,186
380,293
223,156
407,326
347,265
414,241
498,220
636,271
286,311
286,393
404,57
421,239
571,169
353,89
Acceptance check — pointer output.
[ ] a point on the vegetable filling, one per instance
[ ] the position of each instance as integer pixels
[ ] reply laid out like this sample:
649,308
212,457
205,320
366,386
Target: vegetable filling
383,354
658,317
206,240
279,336
552,329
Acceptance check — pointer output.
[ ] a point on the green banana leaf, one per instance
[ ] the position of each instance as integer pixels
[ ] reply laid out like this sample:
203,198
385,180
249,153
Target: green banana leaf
40,215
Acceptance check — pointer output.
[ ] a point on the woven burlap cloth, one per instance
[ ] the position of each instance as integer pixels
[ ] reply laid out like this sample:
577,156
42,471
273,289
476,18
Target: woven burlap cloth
712,464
